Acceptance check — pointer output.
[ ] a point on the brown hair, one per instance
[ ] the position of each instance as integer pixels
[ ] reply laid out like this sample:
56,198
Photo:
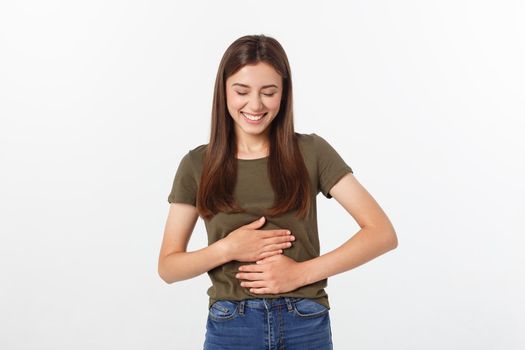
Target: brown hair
286,168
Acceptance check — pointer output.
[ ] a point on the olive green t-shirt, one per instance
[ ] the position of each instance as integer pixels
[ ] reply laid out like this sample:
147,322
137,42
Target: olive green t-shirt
254,193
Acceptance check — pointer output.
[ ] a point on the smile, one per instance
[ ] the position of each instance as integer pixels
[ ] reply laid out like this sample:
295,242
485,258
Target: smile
253,118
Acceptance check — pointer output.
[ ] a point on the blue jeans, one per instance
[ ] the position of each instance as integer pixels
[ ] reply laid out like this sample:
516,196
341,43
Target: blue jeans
268,324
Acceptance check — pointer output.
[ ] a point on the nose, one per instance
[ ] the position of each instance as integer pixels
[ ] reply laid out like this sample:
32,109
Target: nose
255,104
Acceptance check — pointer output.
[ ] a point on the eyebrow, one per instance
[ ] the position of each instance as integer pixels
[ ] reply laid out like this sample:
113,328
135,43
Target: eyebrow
264,87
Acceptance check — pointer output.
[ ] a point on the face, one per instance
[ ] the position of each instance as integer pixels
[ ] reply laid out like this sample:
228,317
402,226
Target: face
253,96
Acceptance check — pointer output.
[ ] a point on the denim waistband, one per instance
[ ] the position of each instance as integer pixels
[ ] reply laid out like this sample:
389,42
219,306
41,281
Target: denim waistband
267,303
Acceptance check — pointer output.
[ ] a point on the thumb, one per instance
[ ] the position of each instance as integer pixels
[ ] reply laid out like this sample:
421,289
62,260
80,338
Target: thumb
256,223
267,259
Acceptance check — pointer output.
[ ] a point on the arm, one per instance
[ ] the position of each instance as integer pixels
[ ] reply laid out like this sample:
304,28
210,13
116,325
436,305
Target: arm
175,264
376,237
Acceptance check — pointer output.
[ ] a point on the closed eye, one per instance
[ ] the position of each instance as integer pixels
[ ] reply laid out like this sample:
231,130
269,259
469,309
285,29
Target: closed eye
244,93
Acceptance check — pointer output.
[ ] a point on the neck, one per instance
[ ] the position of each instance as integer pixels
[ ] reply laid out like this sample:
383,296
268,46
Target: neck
253,145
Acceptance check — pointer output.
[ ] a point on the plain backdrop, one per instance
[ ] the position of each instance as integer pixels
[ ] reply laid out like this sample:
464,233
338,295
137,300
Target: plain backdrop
100,100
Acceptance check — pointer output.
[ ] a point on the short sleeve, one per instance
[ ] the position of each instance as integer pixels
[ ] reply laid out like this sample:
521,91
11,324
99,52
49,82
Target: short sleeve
184,188
330,166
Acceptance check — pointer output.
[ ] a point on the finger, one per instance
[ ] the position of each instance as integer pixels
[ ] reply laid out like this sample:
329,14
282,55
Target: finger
260,291
276,247
274,233
255,223
253,284
249,276
280,239
280,246
251,268
267,260
270,253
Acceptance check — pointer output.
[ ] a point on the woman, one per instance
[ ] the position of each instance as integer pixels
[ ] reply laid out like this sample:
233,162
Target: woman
255,185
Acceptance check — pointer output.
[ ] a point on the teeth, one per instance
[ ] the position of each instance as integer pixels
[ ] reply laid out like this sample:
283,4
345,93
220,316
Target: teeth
252,117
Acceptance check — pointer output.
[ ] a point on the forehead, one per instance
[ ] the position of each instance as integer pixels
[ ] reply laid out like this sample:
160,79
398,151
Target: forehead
258,76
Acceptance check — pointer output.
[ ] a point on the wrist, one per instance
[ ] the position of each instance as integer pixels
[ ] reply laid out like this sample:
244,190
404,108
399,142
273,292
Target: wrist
303,273
224,247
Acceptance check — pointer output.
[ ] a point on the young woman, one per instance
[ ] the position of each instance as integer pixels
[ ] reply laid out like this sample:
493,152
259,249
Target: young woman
255,185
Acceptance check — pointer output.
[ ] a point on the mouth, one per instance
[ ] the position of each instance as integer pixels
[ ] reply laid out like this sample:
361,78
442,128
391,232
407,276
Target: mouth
253,119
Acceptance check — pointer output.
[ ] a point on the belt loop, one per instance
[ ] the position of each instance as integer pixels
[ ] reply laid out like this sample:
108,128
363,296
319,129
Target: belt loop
288,304
241,307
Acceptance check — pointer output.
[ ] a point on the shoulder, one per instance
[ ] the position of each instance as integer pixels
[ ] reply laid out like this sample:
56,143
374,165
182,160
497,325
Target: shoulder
308,137
198,151
306,143
311,142
305,139
195,157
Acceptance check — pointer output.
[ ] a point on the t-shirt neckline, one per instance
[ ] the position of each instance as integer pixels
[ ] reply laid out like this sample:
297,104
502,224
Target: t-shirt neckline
252,160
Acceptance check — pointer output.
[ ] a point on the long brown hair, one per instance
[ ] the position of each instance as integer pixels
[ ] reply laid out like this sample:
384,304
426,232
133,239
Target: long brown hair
286,168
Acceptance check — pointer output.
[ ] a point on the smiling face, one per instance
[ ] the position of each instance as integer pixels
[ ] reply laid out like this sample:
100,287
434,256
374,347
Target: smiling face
253,97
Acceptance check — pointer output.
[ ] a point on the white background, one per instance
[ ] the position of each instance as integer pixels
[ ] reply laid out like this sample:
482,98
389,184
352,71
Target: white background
99,101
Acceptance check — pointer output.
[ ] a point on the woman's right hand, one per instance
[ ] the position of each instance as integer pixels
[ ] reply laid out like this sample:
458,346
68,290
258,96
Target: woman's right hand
249,244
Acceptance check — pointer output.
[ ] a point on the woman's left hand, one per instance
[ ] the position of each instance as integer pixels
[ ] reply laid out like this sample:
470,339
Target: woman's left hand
272,275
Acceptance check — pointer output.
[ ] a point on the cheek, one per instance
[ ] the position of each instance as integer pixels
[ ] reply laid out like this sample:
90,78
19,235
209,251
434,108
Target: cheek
274,103
234,103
